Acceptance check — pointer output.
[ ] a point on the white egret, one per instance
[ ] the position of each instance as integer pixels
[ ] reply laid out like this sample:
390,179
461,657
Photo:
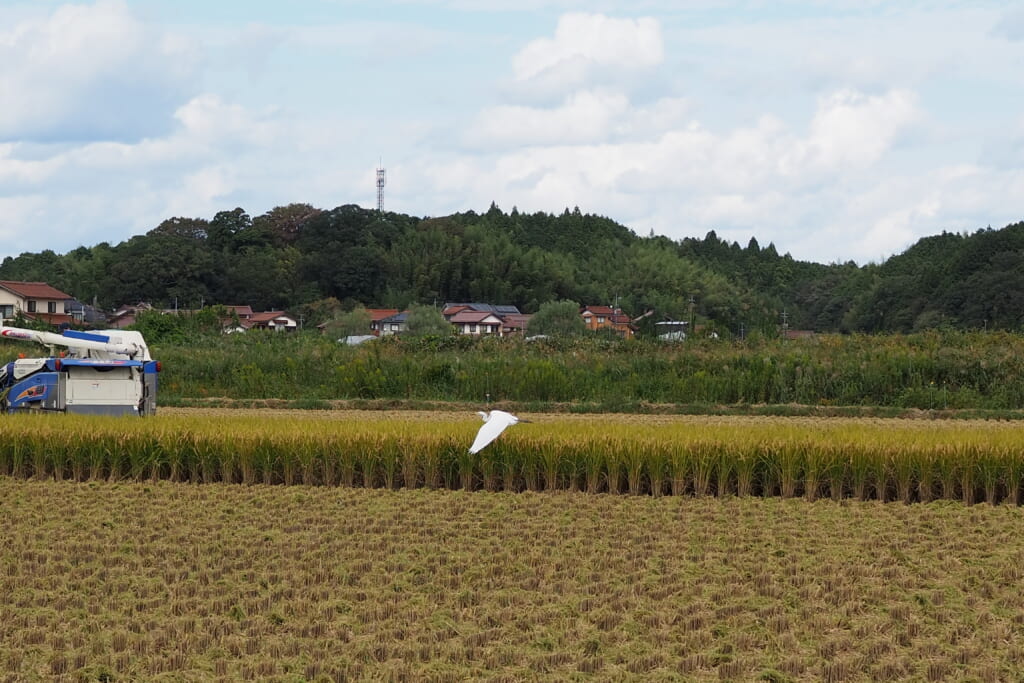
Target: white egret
495,423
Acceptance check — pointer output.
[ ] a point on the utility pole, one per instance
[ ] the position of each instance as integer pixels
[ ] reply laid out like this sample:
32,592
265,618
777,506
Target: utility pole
785,323
692,302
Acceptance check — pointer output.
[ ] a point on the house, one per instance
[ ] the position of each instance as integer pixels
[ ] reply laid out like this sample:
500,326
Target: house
377,315
451,309
607,318
271,320
392,324
478,323
514,323
242,312
84,314
233,318
35,300
126,315
480,319
467,318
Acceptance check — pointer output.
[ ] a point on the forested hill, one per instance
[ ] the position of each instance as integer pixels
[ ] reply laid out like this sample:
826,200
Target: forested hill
965,281
307,260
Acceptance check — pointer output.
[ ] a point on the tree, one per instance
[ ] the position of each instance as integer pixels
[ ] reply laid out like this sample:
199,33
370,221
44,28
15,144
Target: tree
164,269
159,328
228,229
188,228
557,319
355,322
427,321
285,223
256,276
321,310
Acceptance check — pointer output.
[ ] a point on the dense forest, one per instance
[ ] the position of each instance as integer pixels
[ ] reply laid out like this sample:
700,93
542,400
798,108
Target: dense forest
318,262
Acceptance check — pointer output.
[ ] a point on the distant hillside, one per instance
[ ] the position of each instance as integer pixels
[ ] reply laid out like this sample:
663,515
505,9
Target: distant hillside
964,281
316,262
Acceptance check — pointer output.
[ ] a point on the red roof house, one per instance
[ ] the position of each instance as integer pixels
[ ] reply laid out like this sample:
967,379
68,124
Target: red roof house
377,315
271,320
36,300
606,317
476,322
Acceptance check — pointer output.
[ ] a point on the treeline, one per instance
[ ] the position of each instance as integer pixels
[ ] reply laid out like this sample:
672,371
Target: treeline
949,280
318,262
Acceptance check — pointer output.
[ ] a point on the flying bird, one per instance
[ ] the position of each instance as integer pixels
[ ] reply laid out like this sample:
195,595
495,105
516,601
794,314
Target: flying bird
495,423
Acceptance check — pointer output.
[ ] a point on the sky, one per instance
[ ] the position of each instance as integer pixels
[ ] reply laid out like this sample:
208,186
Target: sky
838,131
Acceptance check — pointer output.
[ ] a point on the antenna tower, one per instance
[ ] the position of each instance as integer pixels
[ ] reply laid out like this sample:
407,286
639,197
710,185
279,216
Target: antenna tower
381,180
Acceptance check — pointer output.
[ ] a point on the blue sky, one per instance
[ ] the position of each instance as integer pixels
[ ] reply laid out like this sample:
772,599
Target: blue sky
836,130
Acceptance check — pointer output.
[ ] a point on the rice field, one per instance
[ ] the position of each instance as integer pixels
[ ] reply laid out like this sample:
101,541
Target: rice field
332,546
811,458
162,581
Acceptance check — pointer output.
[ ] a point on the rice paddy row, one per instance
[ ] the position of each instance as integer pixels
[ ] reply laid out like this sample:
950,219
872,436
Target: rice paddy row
887,460
128,581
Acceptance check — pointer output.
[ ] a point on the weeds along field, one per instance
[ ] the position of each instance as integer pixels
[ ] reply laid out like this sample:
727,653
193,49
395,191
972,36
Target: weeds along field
927,371
863,459
140,580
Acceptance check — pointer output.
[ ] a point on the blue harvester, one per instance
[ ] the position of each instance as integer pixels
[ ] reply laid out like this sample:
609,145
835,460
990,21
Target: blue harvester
108,372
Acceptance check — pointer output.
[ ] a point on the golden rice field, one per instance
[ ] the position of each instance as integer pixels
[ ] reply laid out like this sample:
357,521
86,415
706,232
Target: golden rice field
810,458
164,581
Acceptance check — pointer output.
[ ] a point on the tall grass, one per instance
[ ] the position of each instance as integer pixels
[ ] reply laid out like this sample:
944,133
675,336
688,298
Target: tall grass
927,371
899,460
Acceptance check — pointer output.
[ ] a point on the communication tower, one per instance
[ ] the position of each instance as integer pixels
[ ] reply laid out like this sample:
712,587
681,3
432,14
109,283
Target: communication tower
381,180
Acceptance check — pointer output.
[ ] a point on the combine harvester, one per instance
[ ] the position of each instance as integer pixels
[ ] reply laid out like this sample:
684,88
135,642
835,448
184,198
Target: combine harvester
108,372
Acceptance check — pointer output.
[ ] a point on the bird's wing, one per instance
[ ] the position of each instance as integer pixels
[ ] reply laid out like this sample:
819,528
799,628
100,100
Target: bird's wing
488,433
503,417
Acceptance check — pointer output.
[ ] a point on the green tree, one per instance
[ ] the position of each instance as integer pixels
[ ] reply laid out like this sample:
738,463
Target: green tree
426,321
160,328
429,262
230,230
162,269
189,228
355,322
257,276
557,319
321,310
285,223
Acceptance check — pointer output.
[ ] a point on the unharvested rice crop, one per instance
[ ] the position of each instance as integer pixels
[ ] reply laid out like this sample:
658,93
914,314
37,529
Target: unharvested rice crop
879,459
163,581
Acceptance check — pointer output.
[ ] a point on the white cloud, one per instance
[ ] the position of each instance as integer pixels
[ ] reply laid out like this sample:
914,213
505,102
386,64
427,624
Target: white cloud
375,41
737,208
663,114
15,213
852,129
209,118
585,45
203,191
682,178
16,171
88,72
585,116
